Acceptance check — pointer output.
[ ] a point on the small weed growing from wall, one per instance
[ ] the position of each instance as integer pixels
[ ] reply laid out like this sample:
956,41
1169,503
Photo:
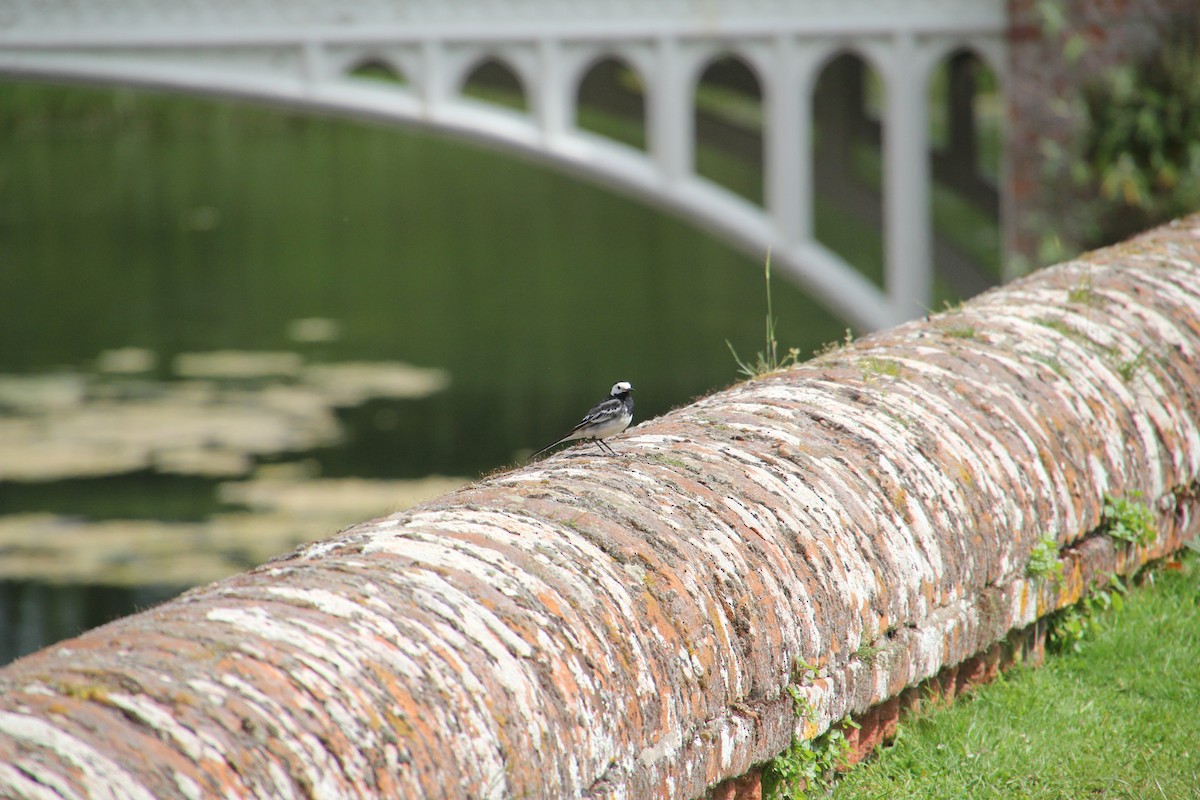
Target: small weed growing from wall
1082,293
768,359
807,767
1128,520
834,346
960,331
873,365
1128,368
868,653
1044,561
1058,325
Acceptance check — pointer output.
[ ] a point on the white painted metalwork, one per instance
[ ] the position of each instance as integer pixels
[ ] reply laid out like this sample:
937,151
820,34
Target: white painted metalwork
301,51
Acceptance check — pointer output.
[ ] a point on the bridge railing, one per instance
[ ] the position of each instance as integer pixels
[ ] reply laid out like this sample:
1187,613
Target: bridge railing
640,625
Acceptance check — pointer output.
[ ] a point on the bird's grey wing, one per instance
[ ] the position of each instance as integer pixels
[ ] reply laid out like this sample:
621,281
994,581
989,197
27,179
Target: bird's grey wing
605,410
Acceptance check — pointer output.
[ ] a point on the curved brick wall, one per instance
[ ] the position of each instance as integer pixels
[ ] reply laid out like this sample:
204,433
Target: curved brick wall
629,626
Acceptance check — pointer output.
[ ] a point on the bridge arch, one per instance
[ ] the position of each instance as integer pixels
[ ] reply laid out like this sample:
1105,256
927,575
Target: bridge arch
967,135
983,49
843,125
863,51
579,57
496,80
596,84
377,67
301,58
343,60
738,139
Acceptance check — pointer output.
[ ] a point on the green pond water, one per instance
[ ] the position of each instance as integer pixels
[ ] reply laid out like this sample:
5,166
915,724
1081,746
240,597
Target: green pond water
139,230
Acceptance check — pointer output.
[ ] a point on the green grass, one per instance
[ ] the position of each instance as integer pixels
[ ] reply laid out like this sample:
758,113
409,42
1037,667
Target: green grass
1115,719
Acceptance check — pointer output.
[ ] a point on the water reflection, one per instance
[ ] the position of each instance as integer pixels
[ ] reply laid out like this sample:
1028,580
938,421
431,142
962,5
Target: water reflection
233,434
279,512
228,409
35,613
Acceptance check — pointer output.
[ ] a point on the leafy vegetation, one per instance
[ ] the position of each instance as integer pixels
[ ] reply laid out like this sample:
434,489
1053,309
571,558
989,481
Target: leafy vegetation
807,768
1136,160
1069,627
1124,519
1128,520
1142,147
1043,559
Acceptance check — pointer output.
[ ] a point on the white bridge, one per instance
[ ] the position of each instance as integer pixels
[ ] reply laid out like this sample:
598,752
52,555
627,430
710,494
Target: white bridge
306,52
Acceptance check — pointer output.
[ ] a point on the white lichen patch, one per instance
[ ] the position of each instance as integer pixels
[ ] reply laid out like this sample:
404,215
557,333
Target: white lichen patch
100,776
160,718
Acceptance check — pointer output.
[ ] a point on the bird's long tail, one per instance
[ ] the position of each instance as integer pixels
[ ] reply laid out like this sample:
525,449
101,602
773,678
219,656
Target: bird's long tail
551,446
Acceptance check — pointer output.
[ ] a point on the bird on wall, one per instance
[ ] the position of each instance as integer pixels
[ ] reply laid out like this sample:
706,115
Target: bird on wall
608,418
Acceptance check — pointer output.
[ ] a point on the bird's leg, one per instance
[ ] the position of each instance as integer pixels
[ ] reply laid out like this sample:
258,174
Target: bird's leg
604,446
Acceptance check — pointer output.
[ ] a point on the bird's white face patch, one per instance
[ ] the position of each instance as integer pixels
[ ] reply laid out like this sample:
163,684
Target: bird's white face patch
619,387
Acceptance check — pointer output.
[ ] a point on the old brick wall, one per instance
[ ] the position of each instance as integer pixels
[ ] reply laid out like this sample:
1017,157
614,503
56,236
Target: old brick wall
635,626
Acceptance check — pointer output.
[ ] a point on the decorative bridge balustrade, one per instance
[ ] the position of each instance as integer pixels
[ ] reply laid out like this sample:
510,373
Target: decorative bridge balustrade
307,53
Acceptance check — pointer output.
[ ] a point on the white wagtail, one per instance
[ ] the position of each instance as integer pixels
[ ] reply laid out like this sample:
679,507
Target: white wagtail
608,418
